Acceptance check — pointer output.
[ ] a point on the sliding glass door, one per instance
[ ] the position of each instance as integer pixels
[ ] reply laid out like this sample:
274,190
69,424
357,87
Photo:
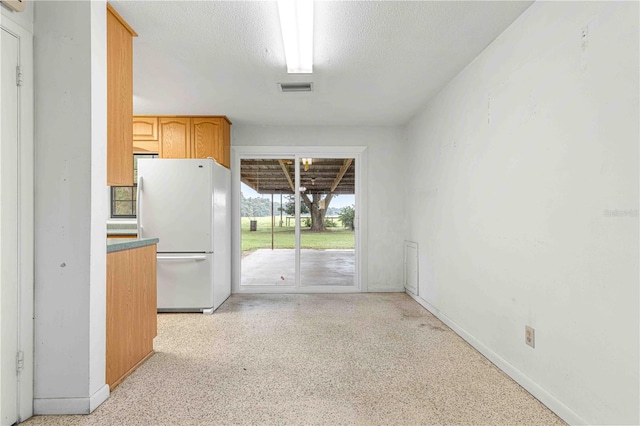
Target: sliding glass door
298,224
268,223
327,234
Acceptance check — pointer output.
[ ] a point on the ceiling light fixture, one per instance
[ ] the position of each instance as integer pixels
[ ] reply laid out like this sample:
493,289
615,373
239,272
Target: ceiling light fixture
296,24
307,162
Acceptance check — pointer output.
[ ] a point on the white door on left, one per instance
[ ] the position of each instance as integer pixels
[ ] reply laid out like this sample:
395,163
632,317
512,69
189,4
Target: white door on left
9,126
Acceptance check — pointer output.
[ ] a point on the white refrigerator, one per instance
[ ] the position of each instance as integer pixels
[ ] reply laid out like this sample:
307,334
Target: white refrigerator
185,203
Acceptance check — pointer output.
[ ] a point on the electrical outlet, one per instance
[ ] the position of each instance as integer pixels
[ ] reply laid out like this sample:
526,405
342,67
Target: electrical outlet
530,336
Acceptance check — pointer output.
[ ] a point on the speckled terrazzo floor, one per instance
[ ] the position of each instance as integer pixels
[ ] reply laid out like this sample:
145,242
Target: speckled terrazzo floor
366,359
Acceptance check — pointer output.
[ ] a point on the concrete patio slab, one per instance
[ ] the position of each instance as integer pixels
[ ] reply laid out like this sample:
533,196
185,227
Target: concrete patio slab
266,267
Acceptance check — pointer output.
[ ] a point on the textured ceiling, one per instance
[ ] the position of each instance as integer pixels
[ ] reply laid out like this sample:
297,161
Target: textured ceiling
375,63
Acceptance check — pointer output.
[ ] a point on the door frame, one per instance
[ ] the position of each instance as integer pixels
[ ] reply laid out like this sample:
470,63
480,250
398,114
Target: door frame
25,216
239,153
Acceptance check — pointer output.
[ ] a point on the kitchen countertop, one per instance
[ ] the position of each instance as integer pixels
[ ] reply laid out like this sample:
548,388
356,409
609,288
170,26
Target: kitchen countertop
119,244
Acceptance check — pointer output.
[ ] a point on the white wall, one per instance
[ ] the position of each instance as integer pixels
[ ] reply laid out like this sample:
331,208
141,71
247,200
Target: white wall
24,18
522,192
70,143
385,198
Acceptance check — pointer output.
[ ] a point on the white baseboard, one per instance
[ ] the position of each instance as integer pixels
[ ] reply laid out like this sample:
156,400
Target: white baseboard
399,289
553,403
56,406
99,397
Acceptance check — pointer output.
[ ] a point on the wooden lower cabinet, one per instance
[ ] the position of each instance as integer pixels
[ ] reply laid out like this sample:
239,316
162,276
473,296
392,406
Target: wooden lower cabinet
131,311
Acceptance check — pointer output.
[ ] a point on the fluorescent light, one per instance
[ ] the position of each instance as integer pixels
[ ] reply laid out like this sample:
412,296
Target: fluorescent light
296,24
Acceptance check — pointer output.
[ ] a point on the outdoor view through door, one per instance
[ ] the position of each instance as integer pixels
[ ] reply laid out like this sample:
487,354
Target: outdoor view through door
326,188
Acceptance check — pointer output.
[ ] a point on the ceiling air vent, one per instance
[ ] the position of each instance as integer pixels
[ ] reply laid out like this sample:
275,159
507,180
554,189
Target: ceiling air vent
295,87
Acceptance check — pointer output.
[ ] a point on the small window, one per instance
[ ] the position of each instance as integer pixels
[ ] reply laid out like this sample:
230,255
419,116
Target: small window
123,198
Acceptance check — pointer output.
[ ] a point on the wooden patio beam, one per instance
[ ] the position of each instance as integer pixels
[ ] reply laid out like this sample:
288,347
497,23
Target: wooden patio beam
343,170
286,173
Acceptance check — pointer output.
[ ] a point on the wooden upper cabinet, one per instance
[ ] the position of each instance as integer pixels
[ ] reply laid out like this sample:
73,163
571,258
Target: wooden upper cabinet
145,147
119,100
175,137
184,137
145,128
226,146
211,137
207,137
145,135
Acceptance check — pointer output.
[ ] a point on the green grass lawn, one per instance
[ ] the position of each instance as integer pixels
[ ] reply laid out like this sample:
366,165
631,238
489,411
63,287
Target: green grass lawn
284,237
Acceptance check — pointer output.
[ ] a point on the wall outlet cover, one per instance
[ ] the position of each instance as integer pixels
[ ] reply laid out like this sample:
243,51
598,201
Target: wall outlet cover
530,336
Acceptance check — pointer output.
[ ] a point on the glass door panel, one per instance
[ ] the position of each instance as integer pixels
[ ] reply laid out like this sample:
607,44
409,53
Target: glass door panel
267,209
327,215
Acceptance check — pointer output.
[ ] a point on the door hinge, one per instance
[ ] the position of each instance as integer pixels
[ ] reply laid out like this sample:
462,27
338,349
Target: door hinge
19,361
18,76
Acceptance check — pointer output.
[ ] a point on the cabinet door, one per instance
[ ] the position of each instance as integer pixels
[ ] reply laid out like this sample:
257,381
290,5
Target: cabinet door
145,135
119,100
175,137
144,314
131,310
145,128
119,287
207,138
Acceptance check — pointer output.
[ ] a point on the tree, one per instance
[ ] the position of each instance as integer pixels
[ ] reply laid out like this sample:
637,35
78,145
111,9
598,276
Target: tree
317,213
290,206
347,216
311,204
257,206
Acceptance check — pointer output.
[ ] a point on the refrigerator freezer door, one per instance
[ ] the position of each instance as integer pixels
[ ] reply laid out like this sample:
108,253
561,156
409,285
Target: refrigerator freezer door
175,198
185,282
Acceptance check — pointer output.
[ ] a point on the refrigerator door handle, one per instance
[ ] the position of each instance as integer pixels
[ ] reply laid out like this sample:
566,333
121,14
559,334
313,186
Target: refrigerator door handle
139,206
196,258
